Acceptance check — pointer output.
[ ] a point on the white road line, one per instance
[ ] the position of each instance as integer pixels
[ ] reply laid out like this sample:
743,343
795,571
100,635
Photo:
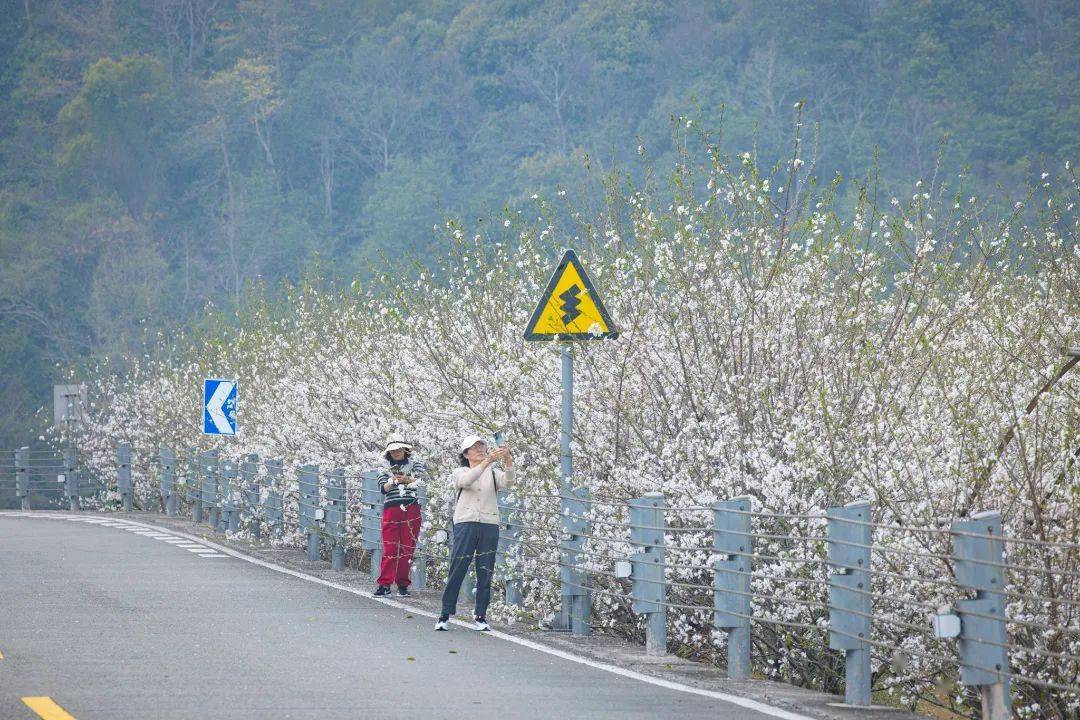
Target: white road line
214,555
606,667
614,669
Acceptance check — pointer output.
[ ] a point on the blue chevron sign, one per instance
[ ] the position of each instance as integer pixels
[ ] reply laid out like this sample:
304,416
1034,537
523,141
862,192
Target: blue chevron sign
219,407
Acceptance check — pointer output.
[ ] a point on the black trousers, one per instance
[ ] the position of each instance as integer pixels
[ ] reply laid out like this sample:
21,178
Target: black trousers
471,540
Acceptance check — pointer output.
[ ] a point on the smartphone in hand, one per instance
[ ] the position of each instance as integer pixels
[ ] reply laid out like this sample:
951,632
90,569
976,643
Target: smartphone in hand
500,439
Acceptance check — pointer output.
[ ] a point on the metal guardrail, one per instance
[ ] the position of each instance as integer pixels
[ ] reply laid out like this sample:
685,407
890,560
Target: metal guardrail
631,550
44,478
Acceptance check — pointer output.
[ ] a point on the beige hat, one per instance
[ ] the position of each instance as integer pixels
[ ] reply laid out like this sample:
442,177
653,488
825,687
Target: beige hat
395,442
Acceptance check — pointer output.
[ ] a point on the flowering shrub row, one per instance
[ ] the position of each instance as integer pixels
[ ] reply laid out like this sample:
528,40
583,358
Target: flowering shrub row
910,353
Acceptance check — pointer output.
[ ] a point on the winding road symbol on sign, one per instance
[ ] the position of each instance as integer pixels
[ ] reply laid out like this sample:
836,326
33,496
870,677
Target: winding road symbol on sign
570,303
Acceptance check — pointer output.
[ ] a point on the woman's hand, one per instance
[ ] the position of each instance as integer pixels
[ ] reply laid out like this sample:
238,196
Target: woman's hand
508,458
498,454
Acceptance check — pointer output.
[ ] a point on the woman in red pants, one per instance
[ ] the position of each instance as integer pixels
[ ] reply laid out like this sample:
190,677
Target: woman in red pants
401,515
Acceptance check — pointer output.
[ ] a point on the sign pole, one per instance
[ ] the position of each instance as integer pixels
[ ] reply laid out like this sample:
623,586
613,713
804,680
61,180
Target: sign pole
566,459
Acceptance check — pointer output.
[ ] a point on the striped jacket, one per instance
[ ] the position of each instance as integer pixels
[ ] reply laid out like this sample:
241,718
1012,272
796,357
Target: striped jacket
406,494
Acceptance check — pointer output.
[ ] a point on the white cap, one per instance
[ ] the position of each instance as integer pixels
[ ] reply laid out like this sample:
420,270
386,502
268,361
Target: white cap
395,442
471,440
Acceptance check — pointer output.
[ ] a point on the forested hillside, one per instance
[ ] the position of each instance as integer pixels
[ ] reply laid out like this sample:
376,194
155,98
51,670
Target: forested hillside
159,154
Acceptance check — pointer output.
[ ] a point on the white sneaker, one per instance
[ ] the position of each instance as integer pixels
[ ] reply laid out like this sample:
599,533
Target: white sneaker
443,625
481,625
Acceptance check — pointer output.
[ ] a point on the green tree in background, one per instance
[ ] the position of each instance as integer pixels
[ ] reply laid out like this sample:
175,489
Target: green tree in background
113,132
157,155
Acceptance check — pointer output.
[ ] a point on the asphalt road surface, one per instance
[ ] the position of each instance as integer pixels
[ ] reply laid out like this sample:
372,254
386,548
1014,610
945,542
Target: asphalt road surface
114,622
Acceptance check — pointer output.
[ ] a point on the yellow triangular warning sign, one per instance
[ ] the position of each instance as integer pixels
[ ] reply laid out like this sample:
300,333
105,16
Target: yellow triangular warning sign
570,308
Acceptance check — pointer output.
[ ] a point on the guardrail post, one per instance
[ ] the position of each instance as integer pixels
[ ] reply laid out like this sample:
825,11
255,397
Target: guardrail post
220,499
186,472
978,563
335,517
509,546
249,483
371,519
275,495
123,473
71,479
208,466
230,508
310,509
22,477
647,569
849,536
574,581
734,544
167,482
468,585
420,560
191,483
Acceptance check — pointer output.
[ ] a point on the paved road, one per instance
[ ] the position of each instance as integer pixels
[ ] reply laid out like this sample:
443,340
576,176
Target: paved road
113,624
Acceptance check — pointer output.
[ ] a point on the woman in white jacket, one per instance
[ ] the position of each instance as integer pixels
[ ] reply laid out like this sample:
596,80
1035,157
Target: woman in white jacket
476,524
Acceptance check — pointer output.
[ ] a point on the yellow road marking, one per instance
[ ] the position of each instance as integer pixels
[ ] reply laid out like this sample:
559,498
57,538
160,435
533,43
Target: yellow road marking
46,708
